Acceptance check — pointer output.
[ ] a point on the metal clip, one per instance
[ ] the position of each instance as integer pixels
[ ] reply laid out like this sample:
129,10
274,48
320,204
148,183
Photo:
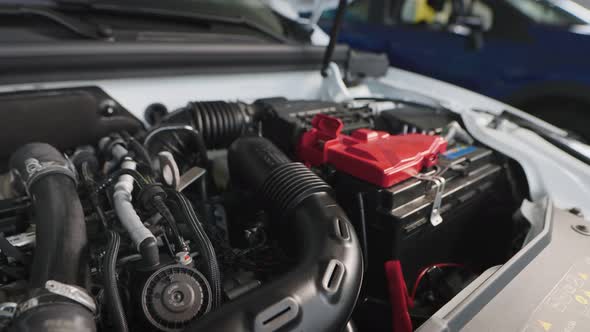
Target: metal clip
435,216
7,310
439,187
73,293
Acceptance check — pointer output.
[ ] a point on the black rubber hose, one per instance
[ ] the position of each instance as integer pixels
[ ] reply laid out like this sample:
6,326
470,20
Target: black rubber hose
59,218
69,316
363,227
61,242
205,247
219,122
141,152
111,289
320,290
60,232
89,182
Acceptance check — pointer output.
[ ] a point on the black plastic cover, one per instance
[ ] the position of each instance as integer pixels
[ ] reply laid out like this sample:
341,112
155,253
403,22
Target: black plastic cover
64,118
283,121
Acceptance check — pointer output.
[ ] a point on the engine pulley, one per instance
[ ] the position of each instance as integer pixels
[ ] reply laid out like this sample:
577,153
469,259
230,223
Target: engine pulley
175,295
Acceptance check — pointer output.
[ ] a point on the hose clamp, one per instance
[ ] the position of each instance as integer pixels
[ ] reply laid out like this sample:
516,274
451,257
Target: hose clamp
36,169
71,292
54,292
7,310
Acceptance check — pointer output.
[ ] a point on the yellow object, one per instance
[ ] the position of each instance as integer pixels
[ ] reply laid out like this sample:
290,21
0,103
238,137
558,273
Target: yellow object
581,299
424,13
583,276
545,325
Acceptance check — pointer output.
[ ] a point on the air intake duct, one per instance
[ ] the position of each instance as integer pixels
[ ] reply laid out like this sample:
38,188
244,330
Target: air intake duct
320,291
218,122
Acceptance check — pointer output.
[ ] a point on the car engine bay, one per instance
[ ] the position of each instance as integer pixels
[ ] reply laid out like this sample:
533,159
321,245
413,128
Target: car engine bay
272,215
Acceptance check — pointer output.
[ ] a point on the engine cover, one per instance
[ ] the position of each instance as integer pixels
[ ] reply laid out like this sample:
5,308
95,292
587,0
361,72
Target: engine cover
373,156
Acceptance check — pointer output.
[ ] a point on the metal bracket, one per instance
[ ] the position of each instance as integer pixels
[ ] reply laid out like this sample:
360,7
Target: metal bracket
190,176
435,216
439,187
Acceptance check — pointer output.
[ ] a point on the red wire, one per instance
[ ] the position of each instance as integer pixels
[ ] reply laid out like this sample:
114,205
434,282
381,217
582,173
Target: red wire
423,273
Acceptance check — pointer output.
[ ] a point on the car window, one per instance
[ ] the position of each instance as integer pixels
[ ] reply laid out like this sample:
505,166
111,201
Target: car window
440,13
545,12
422,12
357,11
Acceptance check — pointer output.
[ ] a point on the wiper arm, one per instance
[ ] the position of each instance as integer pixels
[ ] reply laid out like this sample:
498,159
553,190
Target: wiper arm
525,123
568,143
80,28
190,16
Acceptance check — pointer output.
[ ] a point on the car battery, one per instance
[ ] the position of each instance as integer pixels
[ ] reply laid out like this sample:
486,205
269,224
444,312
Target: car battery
428,219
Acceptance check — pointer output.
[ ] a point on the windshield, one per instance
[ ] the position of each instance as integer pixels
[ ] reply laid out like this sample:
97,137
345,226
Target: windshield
556,12
142,20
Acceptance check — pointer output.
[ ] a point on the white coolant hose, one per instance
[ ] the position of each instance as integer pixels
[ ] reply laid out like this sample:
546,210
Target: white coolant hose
142,237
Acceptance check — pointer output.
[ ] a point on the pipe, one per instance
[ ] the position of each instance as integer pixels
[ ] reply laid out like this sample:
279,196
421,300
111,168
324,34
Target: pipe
115,149
320,291
60,263
54,316
140,152
363,227
143,239
60,228
218,122
113,298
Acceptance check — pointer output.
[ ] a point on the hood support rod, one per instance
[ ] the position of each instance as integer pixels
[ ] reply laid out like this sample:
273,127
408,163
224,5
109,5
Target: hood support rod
333,36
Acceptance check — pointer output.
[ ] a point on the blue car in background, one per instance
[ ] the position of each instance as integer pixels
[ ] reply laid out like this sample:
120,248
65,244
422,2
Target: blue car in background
533,54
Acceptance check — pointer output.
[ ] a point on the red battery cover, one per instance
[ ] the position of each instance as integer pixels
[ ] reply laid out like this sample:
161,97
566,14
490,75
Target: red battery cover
373,156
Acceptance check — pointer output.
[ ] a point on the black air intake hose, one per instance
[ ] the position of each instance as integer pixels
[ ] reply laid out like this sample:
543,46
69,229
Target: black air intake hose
219,122
320,291
59,265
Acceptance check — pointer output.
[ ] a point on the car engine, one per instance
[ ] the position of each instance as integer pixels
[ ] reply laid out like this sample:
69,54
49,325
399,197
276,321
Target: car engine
269,215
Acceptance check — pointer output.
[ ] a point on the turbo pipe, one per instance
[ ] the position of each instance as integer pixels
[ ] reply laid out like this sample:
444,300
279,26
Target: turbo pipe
60,261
